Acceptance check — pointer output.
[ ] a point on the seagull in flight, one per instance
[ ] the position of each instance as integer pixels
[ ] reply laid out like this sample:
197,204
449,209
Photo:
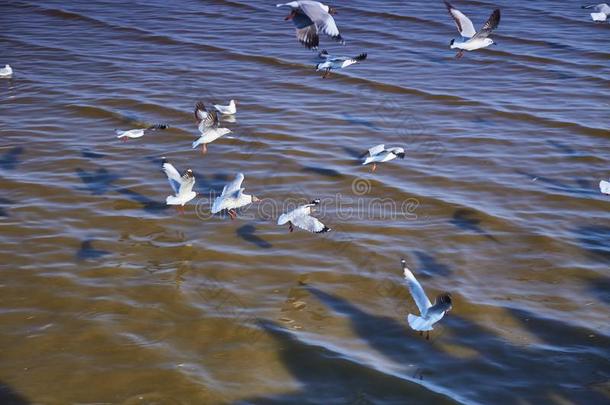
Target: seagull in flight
138,133
301,218
379,153
334,63
602,11
429,314
310,18
208,124
182,186
472,40
233,197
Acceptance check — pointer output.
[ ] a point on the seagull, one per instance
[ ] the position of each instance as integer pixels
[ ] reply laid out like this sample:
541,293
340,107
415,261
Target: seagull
340,62
430,314
604,186
602,11
379,153
472,40
182,185
207,123
311,17
233,197
6,71
230,109
137,133
300,217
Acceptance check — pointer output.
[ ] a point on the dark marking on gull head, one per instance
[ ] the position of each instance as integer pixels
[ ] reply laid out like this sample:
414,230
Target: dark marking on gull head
401,155
315,202
332,10
189,173
452,42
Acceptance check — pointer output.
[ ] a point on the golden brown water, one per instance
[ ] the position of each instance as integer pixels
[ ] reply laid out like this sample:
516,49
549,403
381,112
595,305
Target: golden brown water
108,297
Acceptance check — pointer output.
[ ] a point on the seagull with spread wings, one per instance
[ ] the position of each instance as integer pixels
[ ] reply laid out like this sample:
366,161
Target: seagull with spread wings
310,18
471,39
301,218
429,314
138,132
182,186
233,197
379,154
208,124
602,11
336,62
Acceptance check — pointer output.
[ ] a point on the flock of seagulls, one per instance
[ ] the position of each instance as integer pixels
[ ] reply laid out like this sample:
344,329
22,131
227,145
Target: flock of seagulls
311,18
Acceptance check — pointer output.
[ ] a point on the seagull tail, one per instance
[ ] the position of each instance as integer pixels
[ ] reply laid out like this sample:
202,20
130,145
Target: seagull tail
172,200
418,323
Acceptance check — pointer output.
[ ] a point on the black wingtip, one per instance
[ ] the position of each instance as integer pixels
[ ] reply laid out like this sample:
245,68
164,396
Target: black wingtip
163,160
361,57
324,230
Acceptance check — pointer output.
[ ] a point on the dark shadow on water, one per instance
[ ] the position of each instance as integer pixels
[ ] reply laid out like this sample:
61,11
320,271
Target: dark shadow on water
356,154
97,182
247,233
10,159
600,288
148,205
87,251
322,171
359,121
89,154
329,377
10,397
465,219
564,148
4,202
595,240
430,266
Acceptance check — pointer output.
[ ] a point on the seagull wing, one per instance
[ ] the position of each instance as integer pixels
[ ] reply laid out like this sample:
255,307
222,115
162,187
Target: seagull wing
205,119
188,182
375,150
463,23
233,186
320,17
175,180
309,223
417,292
600,8
307,31
491,24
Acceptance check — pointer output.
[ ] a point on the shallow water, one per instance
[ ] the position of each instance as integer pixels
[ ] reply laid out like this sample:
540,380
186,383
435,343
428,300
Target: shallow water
107,296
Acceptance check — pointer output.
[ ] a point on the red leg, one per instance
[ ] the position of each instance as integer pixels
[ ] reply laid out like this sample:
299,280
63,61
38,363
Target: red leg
232,214
374,168
459,54
204,149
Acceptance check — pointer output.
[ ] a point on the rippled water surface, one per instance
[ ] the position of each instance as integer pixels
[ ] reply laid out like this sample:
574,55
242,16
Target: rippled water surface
108,296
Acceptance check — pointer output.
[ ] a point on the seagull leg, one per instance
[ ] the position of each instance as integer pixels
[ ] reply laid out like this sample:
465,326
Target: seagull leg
124,139
374,168
326,74
459,54
428,335
204,149
232,214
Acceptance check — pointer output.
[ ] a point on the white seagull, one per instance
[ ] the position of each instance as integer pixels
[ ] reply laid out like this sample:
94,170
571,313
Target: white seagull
311,17
233,197
230,109
301,218
137,133
472,40
430,314
6,71
602,11
604,187
379,153
182,186
334,63
207,123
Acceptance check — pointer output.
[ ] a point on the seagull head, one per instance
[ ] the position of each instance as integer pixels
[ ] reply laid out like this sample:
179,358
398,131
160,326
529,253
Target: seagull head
451,43
401,155
315,202
189,173
255,199
445,300
332,10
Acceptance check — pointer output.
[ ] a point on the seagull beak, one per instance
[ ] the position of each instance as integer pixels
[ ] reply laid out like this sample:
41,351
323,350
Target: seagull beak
290,16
